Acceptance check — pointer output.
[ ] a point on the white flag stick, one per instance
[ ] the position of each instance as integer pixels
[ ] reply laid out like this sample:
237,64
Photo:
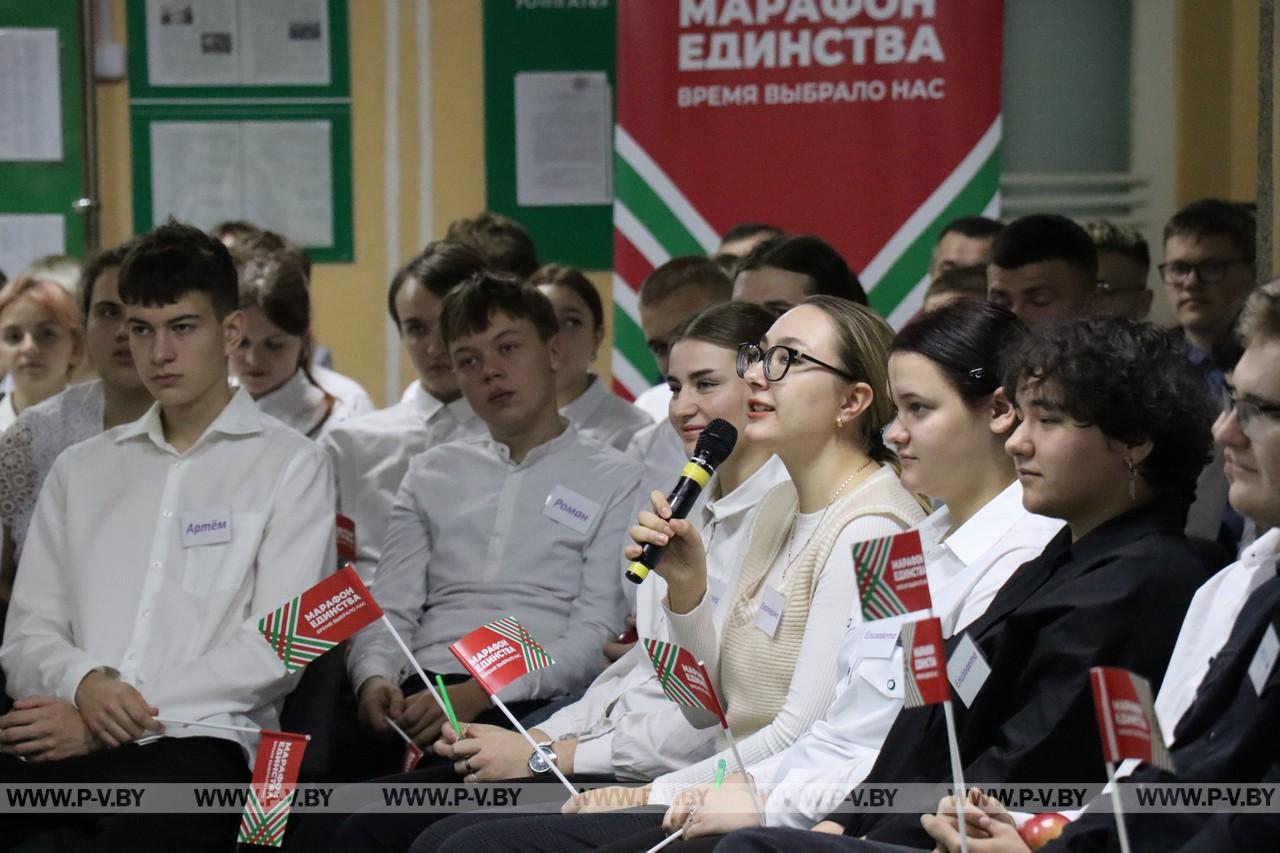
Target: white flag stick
573,792
957,774
395,635
403,735
223,726
742,768
1121,832
675,836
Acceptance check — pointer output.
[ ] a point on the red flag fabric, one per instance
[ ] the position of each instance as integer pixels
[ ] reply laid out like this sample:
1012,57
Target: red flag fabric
1127,718
683,678
924,664
275,775
412,756
307,626
891,576
346,540
499,653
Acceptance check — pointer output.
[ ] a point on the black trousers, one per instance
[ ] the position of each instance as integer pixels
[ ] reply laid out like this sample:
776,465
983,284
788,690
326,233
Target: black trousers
359,755
538,834
195,759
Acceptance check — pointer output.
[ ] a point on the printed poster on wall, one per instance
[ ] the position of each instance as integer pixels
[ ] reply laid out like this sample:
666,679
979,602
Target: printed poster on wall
870,123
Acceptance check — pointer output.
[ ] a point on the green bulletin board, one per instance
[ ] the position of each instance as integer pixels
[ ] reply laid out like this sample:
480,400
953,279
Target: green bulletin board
256,106
517,38
50,187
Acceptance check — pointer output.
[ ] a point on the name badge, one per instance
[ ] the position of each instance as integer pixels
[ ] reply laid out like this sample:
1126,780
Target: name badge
1264,660
206,526
967,670
715,589
878,640
770,612
571,509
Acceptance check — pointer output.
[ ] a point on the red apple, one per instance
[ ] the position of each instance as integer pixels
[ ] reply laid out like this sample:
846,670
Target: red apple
1042,829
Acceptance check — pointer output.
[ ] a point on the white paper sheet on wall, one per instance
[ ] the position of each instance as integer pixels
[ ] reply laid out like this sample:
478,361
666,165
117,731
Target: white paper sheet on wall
30,95
273,173
238,42
564,138
23,238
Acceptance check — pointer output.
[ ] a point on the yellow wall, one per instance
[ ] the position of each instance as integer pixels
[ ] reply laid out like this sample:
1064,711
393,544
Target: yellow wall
349,299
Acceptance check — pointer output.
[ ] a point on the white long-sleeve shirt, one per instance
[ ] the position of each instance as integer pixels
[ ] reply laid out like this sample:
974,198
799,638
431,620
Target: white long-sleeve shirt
371,453
965,571
116,574
304,406
624,724
475,536
600,414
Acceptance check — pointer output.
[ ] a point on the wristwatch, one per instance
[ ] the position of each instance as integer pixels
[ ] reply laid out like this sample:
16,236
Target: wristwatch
542,759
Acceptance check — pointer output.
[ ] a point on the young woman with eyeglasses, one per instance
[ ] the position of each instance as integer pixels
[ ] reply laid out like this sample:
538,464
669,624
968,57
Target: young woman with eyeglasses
819,399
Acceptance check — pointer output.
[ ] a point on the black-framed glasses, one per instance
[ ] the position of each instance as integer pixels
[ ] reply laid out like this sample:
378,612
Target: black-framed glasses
1208,271
777,361
1251,415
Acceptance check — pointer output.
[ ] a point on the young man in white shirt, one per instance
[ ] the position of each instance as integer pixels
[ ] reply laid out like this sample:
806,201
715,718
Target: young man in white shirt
371,453
526,521
153,548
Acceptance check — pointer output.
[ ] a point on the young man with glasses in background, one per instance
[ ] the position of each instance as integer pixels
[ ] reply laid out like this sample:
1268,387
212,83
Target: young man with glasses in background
1124,265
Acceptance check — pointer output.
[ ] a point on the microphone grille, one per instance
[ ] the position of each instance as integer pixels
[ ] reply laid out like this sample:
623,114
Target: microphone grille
716,442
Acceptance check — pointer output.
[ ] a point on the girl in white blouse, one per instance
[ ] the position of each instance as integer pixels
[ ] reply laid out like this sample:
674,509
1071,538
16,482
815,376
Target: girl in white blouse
594,409
272,360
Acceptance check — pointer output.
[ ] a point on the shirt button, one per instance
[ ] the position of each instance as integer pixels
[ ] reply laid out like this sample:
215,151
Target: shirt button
168,514
156,565
132,656
146,614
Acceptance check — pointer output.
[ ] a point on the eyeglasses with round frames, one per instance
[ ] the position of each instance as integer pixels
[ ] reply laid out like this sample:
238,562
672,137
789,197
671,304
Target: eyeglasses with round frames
777,360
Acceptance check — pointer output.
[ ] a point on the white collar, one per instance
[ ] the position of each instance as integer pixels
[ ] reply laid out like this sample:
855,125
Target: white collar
429,407
241,416
582,408
568,434
987,525
748,493
1264,549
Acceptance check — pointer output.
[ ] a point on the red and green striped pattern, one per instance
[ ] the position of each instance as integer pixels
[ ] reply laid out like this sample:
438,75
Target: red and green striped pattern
911,695
870,561
535,656
264,827
664,657
280,628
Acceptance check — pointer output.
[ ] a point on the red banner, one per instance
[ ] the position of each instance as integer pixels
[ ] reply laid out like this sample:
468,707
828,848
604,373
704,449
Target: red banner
346,540
275,775
499,653
1127,719
924,664
891,576
305,627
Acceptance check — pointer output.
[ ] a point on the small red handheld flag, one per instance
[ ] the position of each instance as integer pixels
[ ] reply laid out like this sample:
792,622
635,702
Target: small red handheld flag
275,776
924,664
1127,718
683,678
346,540
307,626
891,576
412,756
499,653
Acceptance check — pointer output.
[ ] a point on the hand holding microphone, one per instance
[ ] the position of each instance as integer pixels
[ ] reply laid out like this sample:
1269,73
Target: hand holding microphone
664,529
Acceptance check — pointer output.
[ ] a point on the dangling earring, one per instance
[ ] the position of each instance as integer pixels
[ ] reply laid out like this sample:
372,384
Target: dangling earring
839,422
1133,480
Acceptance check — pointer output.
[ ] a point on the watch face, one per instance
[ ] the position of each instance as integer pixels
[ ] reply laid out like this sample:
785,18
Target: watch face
540,760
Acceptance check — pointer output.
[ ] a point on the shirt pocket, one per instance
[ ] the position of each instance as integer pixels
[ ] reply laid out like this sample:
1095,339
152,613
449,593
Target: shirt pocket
883,674
223,566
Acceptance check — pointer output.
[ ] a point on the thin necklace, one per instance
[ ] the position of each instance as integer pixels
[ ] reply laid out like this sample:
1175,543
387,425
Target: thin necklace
791,543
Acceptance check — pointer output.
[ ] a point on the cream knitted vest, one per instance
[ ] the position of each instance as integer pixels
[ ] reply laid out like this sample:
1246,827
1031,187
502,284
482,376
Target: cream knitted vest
755,669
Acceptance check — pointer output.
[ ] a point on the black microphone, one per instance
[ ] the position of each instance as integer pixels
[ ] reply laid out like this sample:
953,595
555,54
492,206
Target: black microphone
714,446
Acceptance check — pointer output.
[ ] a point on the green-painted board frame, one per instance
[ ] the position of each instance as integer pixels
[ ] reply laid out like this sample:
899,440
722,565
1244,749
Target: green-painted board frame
50,187
338,116
140,73
544,39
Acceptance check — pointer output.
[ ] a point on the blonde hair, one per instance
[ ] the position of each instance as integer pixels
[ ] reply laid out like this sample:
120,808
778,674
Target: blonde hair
54,299
1260,318
862,340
